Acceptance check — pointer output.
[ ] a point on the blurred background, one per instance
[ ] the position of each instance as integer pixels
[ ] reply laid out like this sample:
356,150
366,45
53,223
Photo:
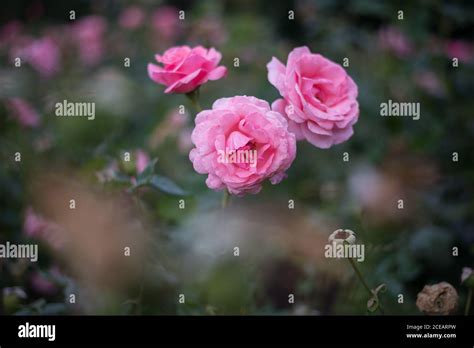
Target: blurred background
126,249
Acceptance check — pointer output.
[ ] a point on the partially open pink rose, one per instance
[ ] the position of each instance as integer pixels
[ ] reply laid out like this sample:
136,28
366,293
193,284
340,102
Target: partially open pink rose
184,68
240,143
319,98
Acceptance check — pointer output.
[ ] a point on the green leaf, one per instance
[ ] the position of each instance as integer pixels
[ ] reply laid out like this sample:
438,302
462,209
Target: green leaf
165,184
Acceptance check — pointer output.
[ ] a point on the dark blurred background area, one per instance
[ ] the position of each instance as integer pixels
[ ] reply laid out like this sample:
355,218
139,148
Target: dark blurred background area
190,251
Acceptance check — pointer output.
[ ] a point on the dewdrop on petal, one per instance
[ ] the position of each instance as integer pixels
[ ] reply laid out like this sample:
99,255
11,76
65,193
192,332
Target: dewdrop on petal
340,236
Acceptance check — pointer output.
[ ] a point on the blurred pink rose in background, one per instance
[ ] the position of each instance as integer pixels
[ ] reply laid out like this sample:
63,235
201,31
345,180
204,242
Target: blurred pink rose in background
37,227
142,160
89,36
171,126
244,126
394,40
131,17
43,55
22,112
165,22
430,83
319,98
460,49
185,68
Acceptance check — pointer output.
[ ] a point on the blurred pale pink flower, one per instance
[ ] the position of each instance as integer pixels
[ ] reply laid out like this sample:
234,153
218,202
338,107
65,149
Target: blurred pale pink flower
184,68
37,227
184,140
165,22
176,119
43,55
142,160
22,112
89,36
171,126
131,17
240,143
394,40
33,224
462,50
428,81
319,97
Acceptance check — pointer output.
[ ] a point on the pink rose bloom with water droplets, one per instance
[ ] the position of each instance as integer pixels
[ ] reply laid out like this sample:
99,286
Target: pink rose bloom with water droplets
319,97
184,69
248,127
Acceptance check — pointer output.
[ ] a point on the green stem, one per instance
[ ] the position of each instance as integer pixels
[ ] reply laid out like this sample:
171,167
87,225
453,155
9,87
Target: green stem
360,276
468,303
225,199
194,97
362,280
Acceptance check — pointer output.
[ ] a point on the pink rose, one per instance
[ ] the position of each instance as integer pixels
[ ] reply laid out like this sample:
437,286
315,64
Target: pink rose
319,98
184,68
240,143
